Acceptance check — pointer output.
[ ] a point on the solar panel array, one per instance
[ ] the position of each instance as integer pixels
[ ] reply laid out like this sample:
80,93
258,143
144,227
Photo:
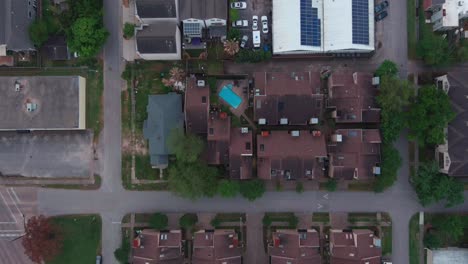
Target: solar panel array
310,25
192,29
360,9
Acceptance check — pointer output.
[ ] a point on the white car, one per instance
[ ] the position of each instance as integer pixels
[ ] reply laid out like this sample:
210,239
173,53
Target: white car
238,5
255,23
240,23
245,38
265,24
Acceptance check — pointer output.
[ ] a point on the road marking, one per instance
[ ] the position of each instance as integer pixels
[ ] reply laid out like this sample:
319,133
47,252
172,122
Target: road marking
117,222
11,213
319,206
14,203
16,196
326,196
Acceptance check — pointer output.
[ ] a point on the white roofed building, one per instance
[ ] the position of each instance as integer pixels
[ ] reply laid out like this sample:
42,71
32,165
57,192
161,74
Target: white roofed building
319,26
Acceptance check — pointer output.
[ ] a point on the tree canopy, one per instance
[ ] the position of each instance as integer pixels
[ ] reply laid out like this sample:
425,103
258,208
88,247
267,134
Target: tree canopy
158,221
43,240
38,32
446,230
193,180
188,220
391,162
186,148
128,30
387,68
433,49
252,189
87,36
429,115
228,189
431,186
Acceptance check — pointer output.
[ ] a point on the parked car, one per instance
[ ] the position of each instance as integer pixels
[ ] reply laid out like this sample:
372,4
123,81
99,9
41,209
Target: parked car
381,7
265,24
98,259
255,23
240,23
381,16
238,5
244,40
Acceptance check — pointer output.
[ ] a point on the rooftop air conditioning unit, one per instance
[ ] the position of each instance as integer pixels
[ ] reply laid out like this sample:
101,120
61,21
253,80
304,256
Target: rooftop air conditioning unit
376,170
17,86
201,83
244,130
284,121
376,80
262,121
337,138
295,133
314,121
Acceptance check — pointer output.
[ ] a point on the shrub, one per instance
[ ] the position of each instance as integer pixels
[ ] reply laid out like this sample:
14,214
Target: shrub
158,221
299,187
331,185
252,56
188,220
252,189
267,220
228,189
128,30
122,253
215,222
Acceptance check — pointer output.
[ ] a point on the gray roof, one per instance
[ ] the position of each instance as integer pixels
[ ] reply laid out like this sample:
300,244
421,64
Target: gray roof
15,18
458,128
156,8
203,9
159,37
164,115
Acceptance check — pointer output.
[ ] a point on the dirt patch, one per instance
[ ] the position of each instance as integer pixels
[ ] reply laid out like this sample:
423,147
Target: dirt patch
139,147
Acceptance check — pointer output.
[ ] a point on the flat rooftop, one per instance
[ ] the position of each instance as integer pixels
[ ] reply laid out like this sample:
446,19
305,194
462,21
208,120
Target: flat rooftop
42,103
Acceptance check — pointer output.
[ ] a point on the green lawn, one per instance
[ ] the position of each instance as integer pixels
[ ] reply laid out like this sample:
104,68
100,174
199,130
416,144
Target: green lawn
143,168
81,239
361,186
414,239
386,240
94,91
321,217
95,186
362,217
126,178
411,27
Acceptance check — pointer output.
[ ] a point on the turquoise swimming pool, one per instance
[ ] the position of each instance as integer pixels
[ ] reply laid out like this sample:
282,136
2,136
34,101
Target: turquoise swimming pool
228,95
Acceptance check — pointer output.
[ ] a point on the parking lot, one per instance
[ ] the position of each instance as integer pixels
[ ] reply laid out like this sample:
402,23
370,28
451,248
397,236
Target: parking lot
256,8
46,154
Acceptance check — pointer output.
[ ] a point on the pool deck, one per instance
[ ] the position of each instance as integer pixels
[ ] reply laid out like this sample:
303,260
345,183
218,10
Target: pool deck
238,89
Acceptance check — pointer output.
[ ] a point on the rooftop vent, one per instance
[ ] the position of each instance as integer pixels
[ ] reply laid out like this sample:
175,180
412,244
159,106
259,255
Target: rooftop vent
17,86
31,107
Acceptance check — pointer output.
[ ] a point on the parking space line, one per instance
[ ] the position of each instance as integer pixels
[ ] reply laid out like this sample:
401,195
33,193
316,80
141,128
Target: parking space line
14,193
9,209
14,202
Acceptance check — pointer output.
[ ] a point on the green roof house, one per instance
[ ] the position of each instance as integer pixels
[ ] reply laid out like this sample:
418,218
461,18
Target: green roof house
164,115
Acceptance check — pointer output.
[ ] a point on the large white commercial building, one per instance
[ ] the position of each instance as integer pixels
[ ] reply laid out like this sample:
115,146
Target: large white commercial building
323,26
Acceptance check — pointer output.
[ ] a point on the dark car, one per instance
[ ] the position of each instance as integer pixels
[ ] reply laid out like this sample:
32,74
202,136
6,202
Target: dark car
381,7
381,16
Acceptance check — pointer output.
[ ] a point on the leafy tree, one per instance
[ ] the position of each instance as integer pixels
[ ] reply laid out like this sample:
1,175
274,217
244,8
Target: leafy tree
127,73
38,32
331,185
448,228
267,221
187,148
432,186
187,221
215,222
228,189
299,187
433,48
87,35
252,189
233,34
122,253
432,241
43,240
158,221
193,180
293,221
391,124
128,30
391,162
387,68
429,116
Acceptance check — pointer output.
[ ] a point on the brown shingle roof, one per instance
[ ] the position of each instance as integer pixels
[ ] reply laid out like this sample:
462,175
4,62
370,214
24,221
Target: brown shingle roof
354,247
353,97
295,96
197,103
155,247
240,154
292,157
219,246
355,155
219,128
292,246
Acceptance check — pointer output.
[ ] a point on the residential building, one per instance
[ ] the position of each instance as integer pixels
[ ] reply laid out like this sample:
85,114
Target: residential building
158,247
352,98
451,155
202,20
354,154
241,153
295,246
291,155
216,246
287,99
446,14
164,116
320,26
157,32
56,48
43,103
355,246
15,17
446,255
218,139
197,105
